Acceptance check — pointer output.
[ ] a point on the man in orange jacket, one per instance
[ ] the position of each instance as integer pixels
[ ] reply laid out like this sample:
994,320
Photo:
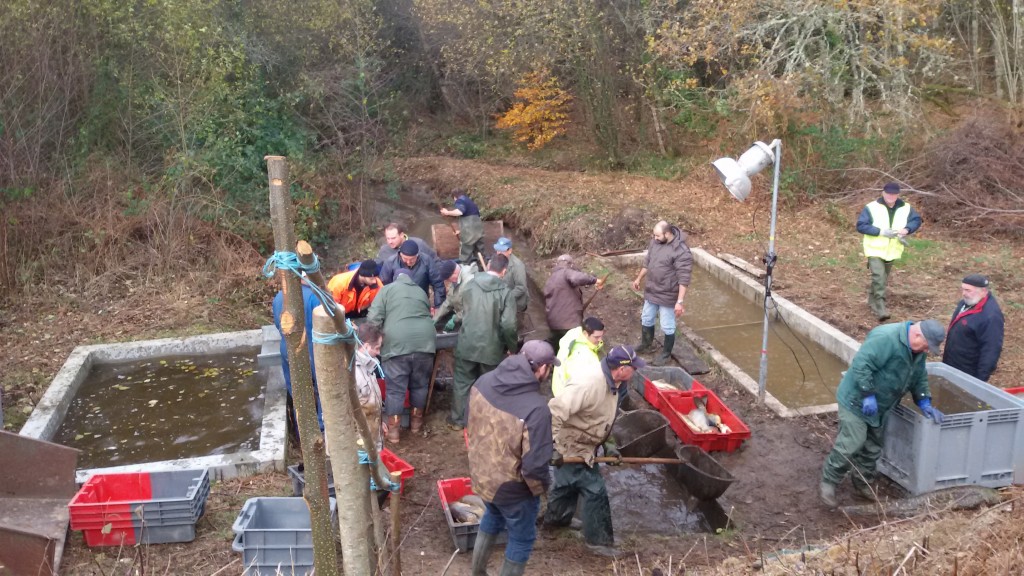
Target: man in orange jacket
356,289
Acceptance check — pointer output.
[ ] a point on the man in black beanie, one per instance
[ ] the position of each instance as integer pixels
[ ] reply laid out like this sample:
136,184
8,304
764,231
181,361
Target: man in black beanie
423,269
356,289
974,338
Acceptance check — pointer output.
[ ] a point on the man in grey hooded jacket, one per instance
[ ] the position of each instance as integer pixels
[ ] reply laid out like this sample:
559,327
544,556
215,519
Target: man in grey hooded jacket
667,267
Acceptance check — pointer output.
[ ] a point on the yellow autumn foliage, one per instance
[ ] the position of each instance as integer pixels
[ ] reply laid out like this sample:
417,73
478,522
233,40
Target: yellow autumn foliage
540,112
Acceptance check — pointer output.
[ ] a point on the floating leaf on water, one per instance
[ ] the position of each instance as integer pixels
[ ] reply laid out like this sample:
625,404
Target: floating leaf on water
163,362
147,380
153,403
79,436
120,387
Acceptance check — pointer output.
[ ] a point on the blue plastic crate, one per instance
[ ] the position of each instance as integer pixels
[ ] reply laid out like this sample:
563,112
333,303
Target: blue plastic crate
983,447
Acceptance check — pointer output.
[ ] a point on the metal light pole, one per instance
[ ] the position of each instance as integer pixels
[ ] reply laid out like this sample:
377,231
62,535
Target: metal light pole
735,175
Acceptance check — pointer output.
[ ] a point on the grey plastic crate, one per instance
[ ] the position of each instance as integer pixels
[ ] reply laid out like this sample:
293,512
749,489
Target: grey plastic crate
984,448
177,497
672,374
299,480
275,533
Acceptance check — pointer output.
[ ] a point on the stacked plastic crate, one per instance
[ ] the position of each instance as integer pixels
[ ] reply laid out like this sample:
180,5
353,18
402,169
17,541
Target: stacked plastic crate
140,507
275,536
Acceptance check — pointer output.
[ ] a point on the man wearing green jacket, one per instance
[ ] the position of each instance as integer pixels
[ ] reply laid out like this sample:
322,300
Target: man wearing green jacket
890,363
487,335
403,311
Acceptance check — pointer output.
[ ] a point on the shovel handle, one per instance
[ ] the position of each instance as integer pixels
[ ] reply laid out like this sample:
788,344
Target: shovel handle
625,460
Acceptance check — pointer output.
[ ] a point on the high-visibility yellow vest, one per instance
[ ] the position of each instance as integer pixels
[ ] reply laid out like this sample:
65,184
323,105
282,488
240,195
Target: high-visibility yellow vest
887,249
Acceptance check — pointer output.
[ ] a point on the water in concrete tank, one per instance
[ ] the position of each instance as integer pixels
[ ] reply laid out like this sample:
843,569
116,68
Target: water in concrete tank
733,325
166,408
949,398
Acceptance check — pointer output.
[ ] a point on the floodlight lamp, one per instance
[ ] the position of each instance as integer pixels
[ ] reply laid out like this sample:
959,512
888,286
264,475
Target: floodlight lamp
735,174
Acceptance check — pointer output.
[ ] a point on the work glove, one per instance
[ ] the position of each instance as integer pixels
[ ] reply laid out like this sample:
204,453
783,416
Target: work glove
925,404
556,459
450,326
612,451
889,233
869,406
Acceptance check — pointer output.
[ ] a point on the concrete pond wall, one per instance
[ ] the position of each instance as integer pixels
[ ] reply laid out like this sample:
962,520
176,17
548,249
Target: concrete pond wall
48,415
802,322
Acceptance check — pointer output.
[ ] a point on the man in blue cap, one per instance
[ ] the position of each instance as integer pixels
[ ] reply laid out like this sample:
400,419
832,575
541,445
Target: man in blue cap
515,277
890,363
885,224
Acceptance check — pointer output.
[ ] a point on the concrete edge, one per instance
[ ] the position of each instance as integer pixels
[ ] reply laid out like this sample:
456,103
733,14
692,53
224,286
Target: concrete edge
51,409
806,324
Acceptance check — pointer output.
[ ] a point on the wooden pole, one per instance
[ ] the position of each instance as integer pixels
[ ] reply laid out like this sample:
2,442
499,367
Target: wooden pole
293,328
396,528
351,479
433,378
305,253
625,460
594,295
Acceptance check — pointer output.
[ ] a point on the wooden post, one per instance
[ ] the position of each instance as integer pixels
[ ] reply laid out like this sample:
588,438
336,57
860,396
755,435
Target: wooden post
351,479
305,253
293,328
396,528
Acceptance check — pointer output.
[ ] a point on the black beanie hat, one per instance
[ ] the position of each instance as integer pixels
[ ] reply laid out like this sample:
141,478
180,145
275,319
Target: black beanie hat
976,280
367,268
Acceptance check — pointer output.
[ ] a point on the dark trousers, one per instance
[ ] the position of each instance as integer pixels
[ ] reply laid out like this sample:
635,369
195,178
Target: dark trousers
858,445
408,372
572,481
520,519
555,336
466,373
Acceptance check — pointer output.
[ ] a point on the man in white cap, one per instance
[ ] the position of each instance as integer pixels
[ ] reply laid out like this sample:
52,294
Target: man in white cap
974,339
890,363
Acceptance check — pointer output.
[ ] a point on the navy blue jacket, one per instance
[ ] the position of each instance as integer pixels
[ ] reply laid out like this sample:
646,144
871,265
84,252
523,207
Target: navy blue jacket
466,205
974,338
425,274
866,226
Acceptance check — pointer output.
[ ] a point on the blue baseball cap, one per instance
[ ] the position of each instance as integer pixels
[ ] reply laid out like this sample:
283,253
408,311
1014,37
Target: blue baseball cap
502,244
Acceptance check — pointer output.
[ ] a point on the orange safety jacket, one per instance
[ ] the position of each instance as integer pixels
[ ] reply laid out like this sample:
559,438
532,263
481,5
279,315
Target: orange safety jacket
343,293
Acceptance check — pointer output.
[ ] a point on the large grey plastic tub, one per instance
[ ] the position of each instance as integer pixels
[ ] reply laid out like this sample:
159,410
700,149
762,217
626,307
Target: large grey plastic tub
275,536
671,374
984,448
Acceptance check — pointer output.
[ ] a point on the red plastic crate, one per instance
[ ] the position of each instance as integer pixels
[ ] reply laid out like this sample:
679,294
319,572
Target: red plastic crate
675,404
1016,391
654,395
396,464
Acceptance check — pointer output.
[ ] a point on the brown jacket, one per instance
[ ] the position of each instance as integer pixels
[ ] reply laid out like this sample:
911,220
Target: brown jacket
509,434
563,299
668,267
583,413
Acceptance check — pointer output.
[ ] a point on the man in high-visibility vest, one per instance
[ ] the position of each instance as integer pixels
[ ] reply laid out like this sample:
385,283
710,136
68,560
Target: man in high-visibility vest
885,224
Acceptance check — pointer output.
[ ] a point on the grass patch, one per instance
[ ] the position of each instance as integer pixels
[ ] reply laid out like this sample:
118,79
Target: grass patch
658,166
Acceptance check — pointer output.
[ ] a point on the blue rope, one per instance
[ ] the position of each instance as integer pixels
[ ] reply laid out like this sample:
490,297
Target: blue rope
364,458
290,261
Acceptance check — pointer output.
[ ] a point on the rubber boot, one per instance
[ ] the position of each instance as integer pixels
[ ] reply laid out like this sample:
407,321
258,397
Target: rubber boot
864,492
510,568
827,492
482,552
416,421
646,339
666,351
394,428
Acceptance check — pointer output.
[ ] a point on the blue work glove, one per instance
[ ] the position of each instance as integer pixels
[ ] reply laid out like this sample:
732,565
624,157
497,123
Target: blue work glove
450,325
869,406
925,404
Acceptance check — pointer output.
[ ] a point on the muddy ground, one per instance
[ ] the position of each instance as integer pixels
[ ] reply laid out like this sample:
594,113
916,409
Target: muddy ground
773,504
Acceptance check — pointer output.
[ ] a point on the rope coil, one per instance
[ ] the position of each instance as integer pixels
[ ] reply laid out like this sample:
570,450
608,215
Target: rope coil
364,458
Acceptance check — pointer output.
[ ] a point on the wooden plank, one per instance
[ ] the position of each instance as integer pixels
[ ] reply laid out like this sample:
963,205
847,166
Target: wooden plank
446,243
687,357
742,264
